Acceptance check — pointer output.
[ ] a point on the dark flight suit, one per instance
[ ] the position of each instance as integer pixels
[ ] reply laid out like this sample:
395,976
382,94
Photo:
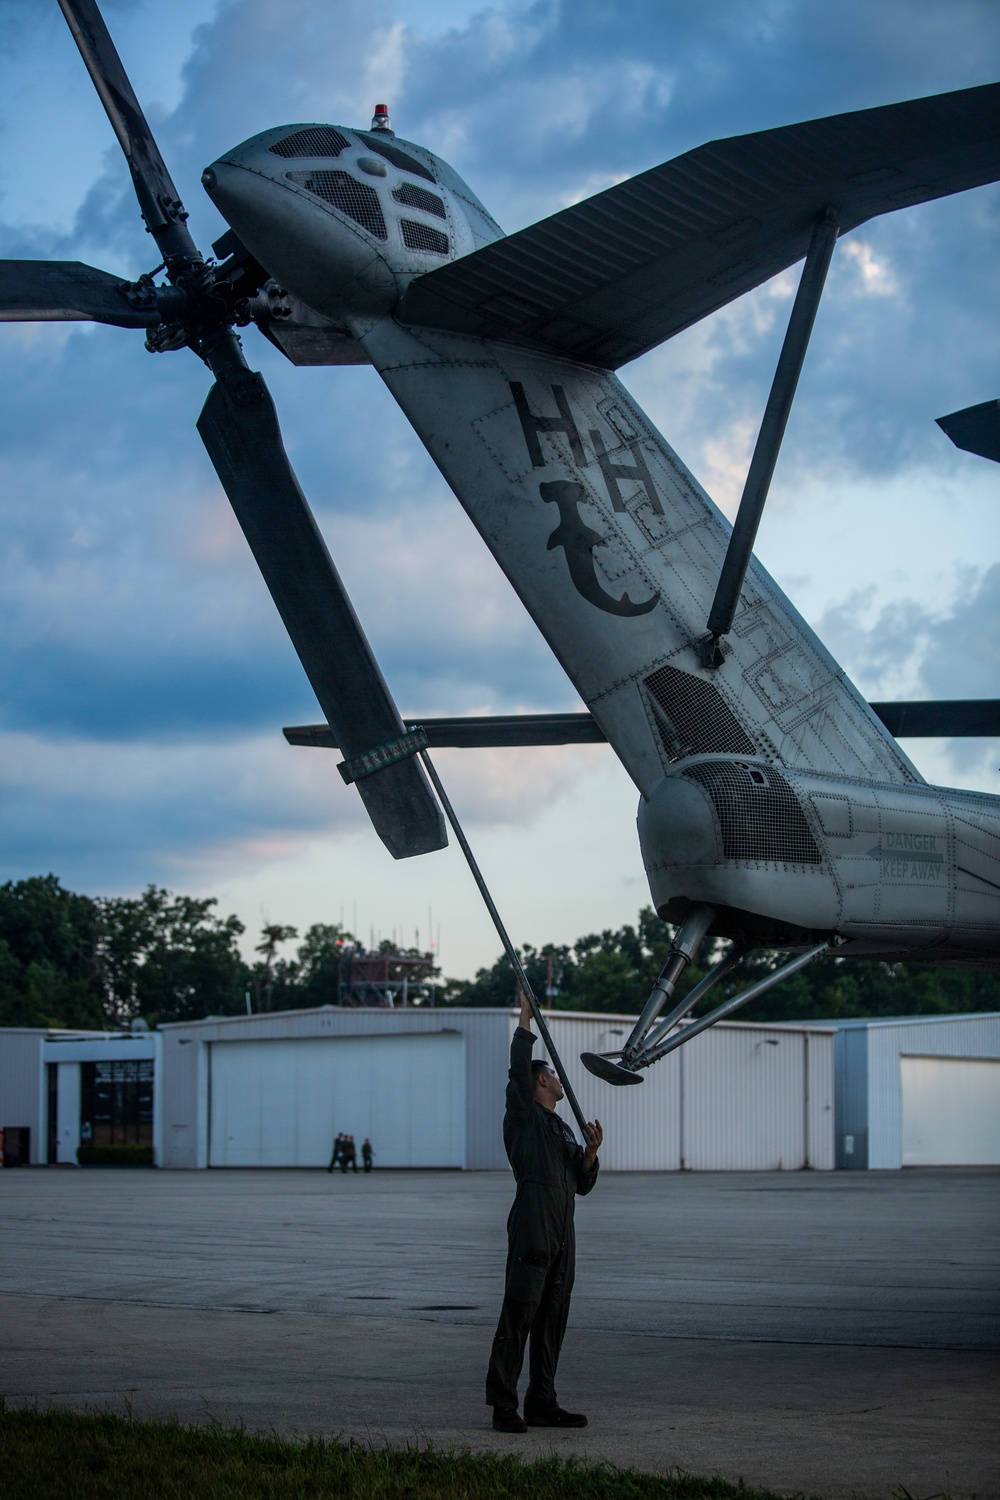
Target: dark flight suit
541,1255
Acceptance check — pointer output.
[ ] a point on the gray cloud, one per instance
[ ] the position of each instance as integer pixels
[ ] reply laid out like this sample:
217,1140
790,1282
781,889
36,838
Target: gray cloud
950,651
962,658
910,650
112,817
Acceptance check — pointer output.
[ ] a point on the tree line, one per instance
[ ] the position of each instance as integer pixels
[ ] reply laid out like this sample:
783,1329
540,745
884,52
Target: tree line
100,962
614,971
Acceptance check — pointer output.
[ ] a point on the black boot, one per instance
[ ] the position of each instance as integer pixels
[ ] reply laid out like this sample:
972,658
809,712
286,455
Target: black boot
506,1419
554,1416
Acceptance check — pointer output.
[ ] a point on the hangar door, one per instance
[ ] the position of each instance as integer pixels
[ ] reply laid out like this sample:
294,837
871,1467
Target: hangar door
951,1111
280,1103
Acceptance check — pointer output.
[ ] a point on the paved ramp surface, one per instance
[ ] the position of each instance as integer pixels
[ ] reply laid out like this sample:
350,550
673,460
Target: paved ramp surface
829,1333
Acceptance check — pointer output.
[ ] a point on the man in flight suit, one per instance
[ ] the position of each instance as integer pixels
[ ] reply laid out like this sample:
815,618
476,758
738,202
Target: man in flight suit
550,1169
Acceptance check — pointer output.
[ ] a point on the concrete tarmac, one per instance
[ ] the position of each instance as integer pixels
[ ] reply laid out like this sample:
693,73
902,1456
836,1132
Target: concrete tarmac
834,1334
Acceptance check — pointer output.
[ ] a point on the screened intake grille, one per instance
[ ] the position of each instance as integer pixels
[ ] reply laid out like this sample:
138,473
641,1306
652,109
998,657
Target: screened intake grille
318,140
398,158
759,814
417,197
355,199
694,718
423,237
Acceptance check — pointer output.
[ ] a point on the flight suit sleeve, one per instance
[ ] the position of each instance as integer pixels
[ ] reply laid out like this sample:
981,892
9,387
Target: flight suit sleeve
585,1180
520,1080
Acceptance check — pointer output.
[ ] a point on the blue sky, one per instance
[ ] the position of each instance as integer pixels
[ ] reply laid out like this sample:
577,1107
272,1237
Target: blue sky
146,677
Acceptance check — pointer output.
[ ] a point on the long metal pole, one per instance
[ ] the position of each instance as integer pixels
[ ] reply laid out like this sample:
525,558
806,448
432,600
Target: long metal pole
508,946
772,427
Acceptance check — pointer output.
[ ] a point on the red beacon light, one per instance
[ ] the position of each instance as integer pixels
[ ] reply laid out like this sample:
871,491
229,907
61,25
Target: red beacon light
380,119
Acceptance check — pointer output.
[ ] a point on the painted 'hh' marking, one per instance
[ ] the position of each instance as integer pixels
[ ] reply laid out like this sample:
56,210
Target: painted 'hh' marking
576,538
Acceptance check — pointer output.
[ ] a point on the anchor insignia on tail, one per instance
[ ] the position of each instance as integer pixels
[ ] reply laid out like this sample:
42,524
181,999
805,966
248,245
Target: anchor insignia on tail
578,541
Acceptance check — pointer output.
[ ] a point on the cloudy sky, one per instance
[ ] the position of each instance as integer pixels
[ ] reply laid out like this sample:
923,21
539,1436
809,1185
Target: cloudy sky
146,677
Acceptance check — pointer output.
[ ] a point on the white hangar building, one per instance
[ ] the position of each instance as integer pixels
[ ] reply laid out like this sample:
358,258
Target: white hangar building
60,1090
428,1087
918,1091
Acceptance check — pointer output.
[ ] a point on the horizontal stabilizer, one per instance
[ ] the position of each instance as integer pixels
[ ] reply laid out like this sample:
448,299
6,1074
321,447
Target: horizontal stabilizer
976,429
609,278
941,718
67,291
951,718
478,733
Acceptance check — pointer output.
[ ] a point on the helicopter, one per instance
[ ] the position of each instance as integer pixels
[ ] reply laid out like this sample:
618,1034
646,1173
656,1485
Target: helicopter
777,809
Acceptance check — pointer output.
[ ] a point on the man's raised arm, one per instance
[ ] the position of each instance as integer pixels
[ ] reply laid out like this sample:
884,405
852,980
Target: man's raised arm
521,1081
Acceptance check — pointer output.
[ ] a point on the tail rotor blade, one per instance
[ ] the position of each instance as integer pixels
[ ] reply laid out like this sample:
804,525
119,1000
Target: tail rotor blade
976,429
159,201
48,291
239,427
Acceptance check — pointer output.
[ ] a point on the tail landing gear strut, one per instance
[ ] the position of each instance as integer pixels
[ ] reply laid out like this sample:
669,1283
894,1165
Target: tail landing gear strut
647,1045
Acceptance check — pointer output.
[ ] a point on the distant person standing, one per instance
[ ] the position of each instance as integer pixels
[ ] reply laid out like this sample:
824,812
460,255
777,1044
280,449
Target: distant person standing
348,1155
338,1147
551,1170
367,1154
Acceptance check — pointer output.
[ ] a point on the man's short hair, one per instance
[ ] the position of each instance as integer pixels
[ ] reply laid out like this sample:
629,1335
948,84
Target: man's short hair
539,1066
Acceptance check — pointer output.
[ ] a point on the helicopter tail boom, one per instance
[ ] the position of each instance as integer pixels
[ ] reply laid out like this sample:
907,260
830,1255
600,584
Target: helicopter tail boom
615,551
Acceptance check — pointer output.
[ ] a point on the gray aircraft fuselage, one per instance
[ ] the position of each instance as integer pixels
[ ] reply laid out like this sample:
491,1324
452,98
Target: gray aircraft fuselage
768,788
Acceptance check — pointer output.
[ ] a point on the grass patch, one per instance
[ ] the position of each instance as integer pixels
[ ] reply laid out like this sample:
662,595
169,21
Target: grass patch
51,1454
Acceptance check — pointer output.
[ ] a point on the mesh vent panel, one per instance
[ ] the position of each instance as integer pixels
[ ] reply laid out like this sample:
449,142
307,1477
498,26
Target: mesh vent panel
694,718
319,140
355,199
417,197
423,237
398,158
759,814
